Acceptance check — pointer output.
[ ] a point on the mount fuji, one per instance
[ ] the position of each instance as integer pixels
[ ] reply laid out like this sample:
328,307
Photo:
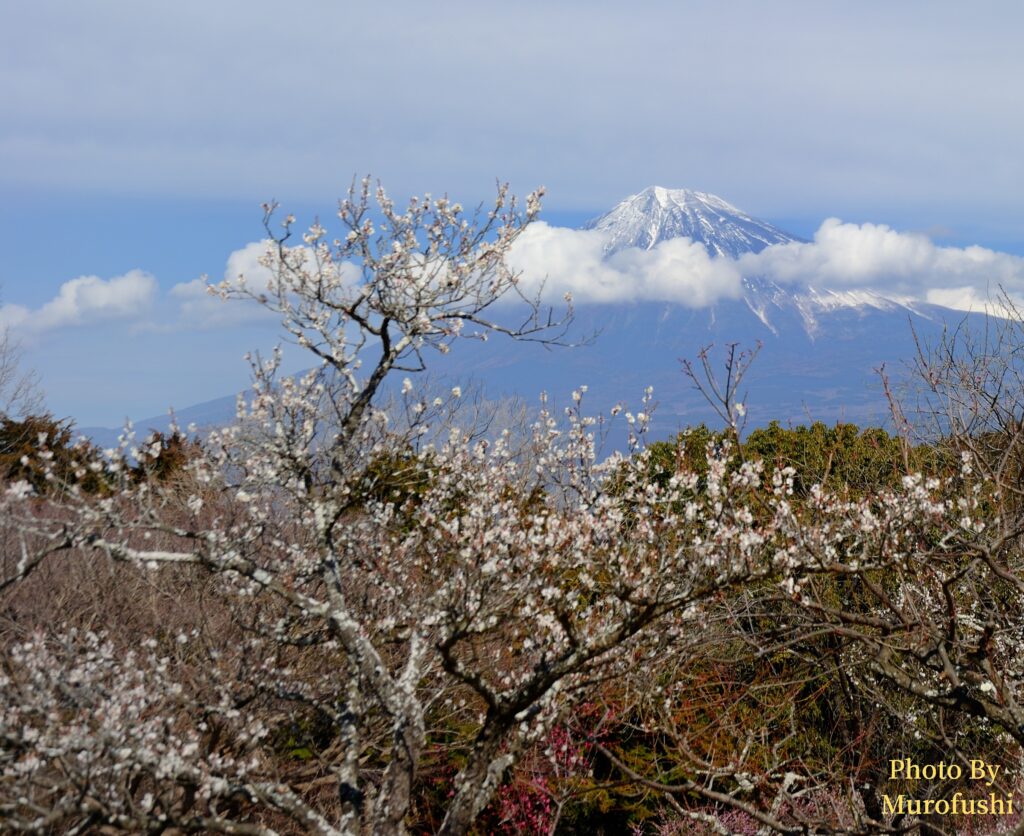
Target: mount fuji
657,214
820,349
819,356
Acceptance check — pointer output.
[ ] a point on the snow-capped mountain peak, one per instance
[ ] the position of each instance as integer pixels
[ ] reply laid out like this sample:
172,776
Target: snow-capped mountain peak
657,214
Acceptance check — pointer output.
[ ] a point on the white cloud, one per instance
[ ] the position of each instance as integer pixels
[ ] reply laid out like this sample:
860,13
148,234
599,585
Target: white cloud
11,316
874,256
197,308
87,300
971,299
246,262
841,257
572,261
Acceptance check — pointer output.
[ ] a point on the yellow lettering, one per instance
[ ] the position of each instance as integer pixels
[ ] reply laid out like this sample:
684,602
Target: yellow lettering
993,771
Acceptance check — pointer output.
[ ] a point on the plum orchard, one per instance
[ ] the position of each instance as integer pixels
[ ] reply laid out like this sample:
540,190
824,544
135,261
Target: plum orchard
346,595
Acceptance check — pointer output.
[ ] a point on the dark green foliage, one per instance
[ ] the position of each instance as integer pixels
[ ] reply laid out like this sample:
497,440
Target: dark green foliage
304,735
396,477
30,446
840,457
164,456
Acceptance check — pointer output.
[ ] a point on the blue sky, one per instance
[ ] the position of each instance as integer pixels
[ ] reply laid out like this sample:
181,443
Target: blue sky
143,137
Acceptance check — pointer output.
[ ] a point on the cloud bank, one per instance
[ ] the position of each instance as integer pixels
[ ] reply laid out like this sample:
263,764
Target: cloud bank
876,257
558,260
933,119
572,261
842,256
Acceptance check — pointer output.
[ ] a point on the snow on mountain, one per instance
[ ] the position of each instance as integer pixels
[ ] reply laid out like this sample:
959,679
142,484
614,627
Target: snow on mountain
657,214
768,300
813,303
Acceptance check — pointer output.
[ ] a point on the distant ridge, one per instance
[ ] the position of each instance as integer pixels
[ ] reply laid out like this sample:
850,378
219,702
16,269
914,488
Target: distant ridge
206,416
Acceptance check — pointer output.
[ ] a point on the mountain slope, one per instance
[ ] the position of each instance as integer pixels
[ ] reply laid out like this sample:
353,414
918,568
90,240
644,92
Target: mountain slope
657,214
820,348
